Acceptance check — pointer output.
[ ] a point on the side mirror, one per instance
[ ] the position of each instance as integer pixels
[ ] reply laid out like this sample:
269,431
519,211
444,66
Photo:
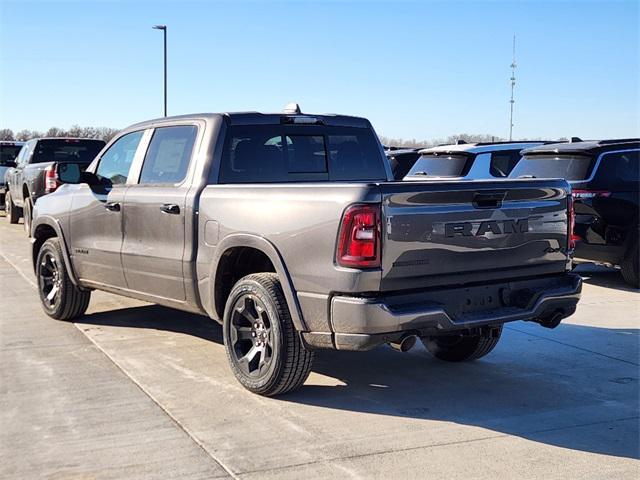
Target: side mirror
69,173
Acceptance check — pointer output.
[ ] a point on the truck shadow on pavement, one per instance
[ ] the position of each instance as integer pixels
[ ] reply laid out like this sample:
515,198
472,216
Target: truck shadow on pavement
574,387
602,276
535,385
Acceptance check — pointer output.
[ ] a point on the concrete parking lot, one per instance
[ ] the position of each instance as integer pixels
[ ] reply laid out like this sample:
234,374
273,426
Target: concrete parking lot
135,390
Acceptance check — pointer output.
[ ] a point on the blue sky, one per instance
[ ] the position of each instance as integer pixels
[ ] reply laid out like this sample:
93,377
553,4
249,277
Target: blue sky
415,69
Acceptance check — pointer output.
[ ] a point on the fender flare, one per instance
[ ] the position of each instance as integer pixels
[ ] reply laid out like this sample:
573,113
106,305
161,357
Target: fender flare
266,247
55,224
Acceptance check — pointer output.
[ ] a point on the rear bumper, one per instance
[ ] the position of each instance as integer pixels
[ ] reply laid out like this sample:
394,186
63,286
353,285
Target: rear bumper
360,323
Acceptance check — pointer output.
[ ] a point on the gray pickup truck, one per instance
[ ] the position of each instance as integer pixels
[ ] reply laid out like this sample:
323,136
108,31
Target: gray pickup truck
290,231
36,171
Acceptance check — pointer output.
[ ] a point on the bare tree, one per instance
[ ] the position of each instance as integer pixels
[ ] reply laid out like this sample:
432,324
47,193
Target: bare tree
6,134
56,132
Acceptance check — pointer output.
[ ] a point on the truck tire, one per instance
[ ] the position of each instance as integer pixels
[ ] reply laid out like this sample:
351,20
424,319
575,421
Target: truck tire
461,348
60,298
27,215
13,212
630,265
264,350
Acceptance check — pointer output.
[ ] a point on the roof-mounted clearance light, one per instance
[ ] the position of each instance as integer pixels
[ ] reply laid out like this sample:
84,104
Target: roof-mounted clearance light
292,109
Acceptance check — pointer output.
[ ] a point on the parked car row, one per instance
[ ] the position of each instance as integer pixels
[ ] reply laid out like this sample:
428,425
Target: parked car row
293,232
604,176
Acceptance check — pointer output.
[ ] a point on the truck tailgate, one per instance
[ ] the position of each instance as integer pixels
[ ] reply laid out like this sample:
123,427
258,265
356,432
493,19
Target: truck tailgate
444,233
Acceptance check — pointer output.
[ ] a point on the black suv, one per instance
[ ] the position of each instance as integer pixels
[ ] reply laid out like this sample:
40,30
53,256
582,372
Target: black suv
605,176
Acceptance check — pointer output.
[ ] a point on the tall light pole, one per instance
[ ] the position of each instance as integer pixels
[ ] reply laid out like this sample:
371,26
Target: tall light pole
513,84
164,31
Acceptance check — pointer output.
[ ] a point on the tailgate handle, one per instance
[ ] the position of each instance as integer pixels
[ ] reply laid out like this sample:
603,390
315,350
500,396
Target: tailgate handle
489,200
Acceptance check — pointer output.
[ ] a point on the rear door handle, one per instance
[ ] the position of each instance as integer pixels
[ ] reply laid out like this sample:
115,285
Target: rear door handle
112,206
170,208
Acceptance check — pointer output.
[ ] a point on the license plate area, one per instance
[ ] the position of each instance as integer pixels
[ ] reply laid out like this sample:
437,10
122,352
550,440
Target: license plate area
478,299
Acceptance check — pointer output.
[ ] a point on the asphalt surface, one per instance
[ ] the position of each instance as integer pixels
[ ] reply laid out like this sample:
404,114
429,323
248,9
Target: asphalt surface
135,390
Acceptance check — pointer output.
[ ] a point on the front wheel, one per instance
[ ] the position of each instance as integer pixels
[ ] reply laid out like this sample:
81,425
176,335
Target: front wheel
60,298
463,347
264,350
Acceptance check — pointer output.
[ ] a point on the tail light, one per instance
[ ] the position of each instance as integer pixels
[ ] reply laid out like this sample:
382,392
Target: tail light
359,237
571,220
580,194
50,179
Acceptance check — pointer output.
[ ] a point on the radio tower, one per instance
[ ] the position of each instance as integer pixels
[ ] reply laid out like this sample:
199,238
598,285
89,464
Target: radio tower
513,85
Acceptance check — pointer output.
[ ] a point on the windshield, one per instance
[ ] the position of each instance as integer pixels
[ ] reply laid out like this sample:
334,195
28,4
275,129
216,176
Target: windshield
66,150
8,153
569,167
440,165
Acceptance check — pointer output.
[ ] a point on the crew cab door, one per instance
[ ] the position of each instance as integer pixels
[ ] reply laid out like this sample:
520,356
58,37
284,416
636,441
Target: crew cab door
96,214
154,215
16,174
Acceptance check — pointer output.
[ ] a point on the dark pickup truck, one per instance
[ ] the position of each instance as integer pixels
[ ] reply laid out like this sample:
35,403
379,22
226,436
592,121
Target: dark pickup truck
36,171
290,231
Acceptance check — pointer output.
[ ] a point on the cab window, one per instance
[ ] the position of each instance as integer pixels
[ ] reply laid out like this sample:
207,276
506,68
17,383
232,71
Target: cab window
168,156
115,163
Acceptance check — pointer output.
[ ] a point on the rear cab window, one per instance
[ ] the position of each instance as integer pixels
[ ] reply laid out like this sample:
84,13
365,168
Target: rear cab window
296,153
8,153
66,150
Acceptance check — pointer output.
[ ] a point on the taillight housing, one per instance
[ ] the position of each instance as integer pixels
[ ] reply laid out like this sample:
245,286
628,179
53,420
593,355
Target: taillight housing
579,194
50,179
571,221
359,237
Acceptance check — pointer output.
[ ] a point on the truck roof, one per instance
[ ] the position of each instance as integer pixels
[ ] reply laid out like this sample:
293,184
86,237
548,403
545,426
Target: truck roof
257,118
587,147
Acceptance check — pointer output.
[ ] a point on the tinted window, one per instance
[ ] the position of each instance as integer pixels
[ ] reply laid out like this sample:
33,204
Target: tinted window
569,167
401,163
115,163
440,165
619,170
8,153
503,162
287,153
66,150
169,153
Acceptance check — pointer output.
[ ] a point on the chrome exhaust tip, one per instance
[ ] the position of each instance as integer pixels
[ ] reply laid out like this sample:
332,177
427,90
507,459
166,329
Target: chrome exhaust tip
405,344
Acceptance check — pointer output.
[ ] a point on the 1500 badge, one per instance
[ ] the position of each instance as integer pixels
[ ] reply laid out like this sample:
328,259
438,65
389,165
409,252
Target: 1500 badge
466,229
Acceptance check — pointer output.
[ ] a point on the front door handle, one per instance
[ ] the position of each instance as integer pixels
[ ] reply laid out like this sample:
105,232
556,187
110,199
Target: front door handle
170,208
112,206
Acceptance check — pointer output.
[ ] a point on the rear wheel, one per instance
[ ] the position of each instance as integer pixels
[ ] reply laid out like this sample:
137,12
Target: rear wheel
60,298
264,350
27,215
13,213
630,265
463,347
